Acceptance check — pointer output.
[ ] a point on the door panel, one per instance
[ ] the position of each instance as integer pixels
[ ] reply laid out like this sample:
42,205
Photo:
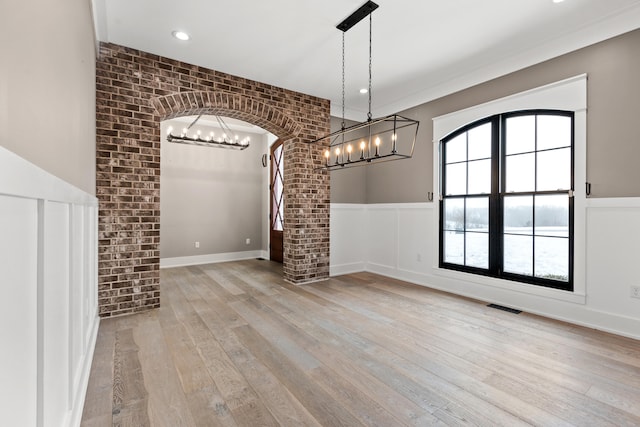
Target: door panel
276,215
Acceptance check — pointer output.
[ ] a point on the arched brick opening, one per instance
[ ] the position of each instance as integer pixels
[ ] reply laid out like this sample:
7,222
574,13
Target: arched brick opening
135,92
236,106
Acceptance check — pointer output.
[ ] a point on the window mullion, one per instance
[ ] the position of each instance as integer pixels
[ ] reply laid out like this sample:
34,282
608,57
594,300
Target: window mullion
495,214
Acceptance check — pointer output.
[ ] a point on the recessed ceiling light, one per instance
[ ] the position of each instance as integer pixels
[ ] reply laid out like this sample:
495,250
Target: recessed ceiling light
181,35
558,1
363,90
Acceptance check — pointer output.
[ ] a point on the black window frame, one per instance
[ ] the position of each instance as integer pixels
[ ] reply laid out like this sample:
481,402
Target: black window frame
496,204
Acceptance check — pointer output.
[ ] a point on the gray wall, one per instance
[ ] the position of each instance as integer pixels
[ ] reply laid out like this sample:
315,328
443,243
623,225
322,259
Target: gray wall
47,87
211,195
613,141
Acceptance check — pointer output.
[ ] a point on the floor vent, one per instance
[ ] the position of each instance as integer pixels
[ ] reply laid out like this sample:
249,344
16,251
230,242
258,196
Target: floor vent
503,308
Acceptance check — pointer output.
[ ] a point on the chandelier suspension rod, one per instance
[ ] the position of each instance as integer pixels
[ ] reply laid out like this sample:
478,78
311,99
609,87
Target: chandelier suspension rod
343,120
194,122
370,62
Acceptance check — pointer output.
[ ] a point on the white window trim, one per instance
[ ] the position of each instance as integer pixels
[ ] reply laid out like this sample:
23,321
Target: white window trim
569,95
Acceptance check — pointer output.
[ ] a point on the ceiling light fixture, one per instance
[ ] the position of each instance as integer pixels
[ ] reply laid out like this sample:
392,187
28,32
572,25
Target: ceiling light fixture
386,138
364,90
223,141
181,35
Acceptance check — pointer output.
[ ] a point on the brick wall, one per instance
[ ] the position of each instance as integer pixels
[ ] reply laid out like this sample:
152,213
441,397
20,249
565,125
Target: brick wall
134,92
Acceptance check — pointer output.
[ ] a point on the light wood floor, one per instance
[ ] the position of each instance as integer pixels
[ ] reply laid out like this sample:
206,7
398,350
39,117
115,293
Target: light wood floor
235,345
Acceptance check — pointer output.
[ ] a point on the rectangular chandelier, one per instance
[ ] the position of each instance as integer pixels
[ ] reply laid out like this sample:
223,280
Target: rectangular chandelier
209,142
386,138
224,141
383,139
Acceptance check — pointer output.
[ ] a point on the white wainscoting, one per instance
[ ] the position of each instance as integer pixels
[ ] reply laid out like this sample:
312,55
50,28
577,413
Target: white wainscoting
401,241
48,310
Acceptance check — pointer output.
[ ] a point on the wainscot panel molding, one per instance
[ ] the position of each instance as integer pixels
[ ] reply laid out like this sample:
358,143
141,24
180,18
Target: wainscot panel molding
401,242
49,310
184,261
348,225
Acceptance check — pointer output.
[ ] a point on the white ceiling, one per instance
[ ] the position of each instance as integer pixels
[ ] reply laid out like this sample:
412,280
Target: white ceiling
422,49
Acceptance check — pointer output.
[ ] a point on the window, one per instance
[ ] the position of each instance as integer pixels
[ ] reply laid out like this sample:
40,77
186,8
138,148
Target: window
507,198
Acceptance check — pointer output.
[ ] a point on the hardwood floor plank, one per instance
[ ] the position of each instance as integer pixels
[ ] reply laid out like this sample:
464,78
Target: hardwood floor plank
284,406
625,400
98,404
267,327
286,409
539,396
355,368
319,403
130,395
296,347
236,388
168,404
209,408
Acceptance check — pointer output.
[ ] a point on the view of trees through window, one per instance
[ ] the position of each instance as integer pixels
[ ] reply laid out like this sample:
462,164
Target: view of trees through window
507,202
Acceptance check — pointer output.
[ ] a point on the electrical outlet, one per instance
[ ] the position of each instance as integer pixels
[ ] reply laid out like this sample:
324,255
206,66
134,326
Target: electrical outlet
635,291
197,244
248,241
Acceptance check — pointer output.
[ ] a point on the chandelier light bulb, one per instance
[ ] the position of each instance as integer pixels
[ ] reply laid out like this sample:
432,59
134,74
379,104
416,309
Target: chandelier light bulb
169,130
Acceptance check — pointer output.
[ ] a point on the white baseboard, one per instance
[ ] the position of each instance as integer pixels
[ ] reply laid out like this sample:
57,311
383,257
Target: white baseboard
339,270
77,405
211,258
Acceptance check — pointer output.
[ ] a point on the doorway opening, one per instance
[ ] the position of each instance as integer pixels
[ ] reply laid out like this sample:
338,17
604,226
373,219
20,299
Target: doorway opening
213,206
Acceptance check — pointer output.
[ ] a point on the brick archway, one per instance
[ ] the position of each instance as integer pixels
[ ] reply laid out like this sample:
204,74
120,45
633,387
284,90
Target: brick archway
231,105
134,92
